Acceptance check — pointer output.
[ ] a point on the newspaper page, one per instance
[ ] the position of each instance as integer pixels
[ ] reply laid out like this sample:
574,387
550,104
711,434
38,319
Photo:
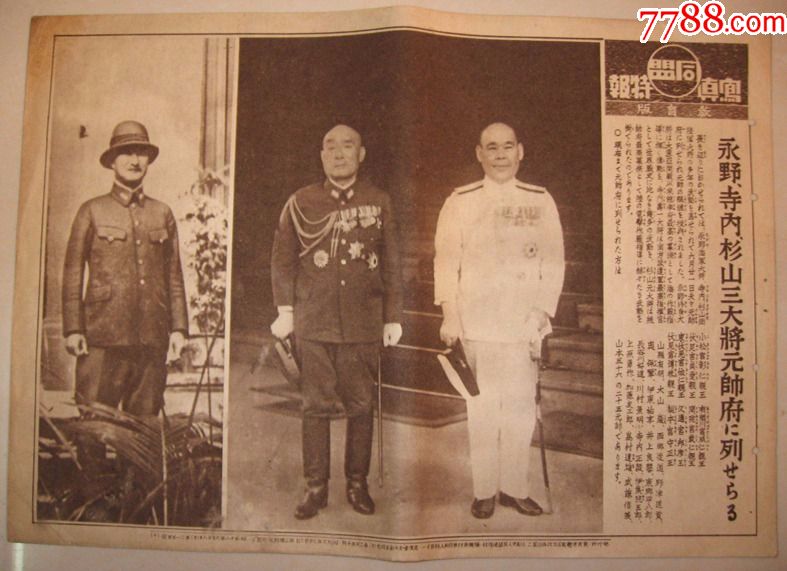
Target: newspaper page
395,283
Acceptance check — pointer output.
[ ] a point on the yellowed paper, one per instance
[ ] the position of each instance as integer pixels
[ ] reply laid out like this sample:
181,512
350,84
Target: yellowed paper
649,393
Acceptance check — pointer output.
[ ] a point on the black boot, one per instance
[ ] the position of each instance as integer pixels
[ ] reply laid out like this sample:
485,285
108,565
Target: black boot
357,457
315,498
316,445
358,496
358,446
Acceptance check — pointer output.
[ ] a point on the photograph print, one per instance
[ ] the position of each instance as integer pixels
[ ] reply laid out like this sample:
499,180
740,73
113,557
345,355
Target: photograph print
416,321
130,393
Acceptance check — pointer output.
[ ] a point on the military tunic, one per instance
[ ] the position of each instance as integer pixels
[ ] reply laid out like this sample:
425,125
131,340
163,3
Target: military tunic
498,256
133,300
506,243
341,272
336,262
135,293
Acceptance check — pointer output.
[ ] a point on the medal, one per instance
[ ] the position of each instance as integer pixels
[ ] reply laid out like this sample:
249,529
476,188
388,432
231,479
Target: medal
321,258
347,225
355,250
372,260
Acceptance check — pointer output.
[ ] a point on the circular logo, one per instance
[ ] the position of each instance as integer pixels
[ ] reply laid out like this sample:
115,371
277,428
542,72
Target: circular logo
674,71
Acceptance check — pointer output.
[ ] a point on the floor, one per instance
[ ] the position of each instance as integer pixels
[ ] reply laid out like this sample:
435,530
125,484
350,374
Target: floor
427,488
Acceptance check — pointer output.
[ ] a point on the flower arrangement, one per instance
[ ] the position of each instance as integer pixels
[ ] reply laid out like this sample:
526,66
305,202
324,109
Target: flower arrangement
206,225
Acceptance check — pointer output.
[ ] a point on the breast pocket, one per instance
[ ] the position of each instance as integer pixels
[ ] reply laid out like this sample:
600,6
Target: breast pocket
110,234
97,294
158,236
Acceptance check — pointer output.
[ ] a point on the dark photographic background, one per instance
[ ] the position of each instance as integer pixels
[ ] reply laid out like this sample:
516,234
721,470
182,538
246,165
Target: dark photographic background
419,101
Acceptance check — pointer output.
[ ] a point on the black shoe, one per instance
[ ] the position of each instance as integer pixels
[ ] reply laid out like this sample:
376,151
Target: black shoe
359,498
524,506
483,509
314,500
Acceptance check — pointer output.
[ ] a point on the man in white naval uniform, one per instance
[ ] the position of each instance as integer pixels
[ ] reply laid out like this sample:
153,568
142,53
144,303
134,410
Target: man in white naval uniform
498,275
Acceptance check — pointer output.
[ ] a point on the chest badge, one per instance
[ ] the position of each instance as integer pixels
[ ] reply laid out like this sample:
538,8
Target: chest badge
321,258
372,261
348,225
355,250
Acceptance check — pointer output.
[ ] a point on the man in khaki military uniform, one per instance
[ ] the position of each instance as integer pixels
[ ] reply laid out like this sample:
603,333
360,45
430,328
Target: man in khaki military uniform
498,276
133,310
337,286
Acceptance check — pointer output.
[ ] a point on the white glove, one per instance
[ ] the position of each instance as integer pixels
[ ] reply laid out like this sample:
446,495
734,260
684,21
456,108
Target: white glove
451,329
284,324
535,324
76,344
175,348
392,333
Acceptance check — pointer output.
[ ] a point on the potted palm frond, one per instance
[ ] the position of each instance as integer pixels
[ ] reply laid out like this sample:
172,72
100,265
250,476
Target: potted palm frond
162,470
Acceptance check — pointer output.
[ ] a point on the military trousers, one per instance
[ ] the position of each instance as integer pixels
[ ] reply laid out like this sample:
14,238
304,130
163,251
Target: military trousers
502,417
336,376
130,376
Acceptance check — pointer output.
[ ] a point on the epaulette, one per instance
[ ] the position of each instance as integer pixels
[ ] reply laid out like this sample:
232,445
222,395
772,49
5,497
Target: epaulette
530,187
469,187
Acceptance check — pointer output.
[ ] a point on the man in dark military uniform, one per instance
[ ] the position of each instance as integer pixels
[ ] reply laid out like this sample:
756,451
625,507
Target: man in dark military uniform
337,285
133,310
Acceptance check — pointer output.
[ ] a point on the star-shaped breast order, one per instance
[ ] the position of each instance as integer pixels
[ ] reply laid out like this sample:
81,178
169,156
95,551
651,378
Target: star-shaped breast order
355,250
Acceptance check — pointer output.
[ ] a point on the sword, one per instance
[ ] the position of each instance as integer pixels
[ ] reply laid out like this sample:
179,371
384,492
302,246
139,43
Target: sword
379,422
539,420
